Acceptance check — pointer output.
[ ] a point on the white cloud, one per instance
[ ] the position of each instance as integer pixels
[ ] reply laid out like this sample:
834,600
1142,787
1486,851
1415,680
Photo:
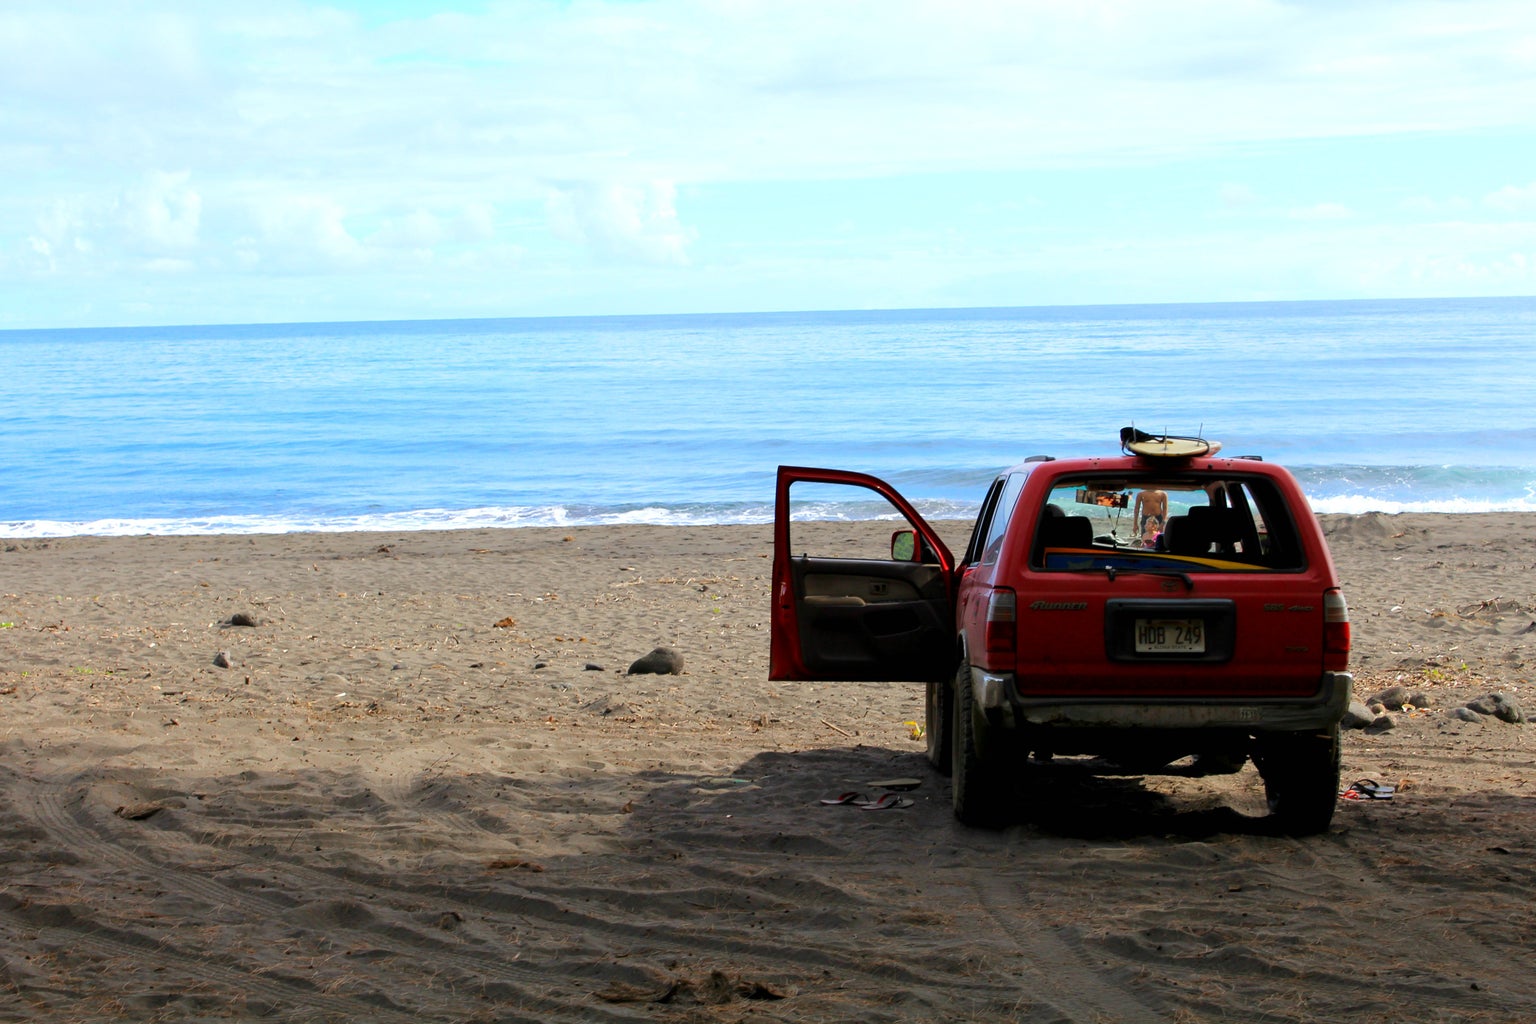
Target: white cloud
164,213
58,232
1235,196
700,91
43,249
1431,206
303,230
1513,198
621,222
1321,211
166,265
423,229
326,136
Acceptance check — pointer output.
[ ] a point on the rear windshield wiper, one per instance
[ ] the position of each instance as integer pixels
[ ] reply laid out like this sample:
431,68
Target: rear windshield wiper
1113,571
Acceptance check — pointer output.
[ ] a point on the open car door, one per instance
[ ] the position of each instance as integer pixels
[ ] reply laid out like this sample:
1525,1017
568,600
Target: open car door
859,614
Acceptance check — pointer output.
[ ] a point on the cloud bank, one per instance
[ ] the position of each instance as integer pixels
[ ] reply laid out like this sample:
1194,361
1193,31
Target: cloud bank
299,160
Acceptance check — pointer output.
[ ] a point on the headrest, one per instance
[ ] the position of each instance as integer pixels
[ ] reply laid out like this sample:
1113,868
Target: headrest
1066,532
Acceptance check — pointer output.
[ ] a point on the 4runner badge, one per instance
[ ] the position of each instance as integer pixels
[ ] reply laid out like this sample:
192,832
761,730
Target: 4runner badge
1058,606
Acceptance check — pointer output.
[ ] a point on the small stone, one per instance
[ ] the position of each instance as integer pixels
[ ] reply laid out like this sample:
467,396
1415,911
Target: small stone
592,666
1466,715
1357,716
138,812
1420,699
1382,723
1392,698
222,660
244,619
1500,706
663,661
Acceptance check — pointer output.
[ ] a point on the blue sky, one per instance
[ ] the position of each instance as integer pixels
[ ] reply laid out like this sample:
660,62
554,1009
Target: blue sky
188,162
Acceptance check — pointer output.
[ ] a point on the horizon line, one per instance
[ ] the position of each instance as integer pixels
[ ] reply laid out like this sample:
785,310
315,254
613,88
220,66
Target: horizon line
767,313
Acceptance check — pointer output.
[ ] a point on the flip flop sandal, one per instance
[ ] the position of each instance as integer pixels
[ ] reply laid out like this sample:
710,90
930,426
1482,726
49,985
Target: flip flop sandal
845,798
888,802
896,784
1368,789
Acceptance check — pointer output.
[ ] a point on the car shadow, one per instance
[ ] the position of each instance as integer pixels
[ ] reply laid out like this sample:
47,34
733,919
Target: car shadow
1061,802
1075,804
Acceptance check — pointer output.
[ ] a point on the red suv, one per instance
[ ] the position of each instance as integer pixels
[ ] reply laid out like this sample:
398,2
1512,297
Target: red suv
1128,612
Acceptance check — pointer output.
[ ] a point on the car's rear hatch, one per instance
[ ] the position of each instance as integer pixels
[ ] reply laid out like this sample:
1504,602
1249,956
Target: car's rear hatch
1160,636
1199,580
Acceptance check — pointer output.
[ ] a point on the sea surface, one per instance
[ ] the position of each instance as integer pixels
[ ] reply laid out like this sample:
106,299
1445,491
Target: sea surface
1423,405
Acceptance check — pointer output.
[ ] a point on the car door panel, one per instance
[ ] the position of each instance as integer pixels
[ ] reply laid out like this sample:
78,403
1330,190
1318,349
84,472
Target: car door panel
840,618
869,620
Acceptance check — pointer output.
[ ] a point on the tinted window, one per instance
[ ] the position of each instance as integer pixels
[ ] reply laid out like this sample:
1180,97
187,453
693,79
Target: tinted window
983,523
1235,523
1001,518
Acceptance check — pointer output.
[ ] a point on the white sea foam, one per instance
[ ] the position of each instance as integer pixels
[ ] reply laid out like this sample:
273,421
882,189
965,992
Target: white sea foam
650,515
1358,504
422,519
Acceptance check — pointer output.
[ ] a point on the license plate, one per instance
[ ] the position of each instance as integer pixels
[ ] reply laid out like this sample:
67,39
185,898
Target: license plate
1170,636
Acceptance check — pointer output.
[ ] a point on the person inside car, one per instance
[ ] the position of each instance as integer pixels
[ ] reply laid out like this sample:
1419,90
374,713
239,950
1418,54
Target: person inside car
1148,505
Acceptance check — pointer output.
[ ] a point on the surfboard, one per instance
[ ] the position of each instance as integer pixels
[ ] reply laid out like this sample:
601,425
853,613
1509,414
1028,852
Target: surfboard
1166,446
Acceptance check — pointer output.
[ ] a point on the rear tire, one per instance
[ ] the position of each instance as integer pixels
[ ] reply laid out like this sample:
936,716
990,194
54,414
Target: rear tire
1301,779
937,728
978,780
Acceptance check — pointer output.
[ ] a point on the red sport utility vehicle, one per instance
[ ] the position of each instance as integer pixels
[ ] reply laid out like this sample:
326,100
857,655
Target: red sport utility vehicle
1141,609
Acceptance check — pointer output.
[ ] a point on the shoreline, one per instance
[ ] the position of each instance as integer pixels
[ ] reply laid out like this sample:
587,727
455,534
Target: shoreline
540,518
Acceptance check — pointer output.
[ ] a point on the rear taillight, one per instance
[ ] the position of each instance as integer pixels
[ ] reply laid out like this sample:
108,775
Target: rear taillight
1335,631
1002,621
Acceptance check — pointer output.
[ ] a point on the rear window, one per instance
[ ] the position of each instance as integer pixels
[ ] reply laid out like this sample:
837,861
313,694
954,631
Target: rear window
1194,523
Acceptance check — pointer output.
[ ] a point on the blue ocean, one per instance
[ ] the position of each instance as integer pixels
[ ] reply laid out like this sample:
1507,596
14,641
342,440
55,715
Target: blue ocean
1422,405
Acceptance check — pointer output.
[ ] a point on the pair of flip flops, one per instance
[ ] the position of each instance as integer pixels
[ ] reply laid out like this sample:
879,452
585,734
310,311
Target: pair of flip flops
1368,789
884,802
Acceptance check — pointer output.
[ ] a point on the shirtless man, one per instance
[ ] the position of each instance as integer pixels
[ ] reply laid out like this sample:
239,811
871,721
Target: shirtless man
1149,504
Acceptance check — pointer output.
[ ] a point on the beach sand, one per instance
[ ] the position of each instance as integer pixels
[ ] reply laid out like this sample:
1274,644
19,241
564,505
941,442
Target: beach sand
424,790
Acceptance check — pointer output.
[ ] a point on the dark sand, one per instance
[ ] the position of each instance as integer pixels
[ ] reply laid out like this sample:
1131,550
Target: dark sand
384,810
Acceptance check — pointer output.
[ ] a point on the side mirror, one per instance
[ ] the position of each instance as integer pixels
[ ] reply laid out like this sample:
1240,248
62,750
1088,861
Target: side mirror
904,546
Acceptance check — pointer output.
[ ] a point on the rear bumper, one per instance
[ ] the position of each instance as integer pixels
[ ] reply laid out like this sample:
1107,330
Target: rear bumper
997,695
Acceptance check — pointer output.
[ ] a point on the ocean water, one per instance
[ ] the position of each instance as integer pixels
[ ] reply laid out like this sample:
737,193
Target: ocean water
1423,405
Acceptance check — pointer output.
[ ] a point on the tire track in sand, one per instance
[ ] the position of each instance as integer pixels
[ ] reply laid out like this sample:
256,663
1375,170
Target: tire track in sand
599,933
514,981
1050,970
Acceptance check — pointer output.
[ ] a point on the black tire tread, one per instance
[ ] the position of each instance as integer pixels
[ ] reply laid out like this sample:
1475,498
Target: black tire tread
977,777
1301,779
